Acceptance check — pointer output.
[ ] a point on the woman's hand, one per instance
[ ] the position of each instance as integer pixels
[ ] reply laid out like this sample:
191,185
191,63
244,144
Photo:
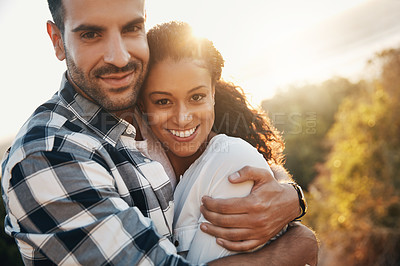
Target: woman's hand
242,224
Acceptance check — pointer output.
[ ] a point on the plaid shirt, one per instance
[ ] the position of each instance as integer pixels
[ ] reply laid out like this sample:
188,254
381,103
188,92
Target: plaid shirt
77,191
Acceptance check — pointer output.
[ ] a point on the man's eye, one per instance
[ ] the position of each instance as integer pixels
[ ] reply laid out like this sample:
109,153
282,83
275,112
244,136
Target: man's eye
90,35
197,97
133,28
162,102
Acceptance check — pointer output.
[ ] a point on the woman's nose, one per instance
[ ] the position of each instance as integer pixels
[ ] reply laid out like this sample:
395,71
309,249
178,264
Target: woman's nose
183,116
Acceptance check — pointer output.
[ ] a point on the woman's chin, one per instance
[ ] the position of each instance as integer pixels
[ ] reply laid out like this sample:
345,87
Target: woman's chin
183,153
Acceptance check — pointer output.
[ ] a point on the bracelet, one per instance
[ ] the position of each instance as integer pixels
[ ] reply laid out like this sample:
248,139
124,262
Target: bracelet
302,200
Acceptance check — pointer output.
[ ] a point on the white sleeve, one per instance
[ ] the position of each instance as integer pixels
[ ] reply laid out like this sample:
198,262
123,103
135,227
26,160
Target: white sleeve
219,166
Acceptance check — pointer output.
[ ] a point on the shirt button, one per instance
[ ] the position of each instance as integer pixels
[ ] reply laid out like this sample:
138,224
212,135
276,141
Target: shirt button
176,243
130,130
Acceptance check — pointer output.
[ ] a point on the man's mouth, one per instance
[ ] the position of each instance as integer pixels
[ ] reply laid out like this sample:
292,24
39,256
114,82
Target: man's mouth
183,133
118,79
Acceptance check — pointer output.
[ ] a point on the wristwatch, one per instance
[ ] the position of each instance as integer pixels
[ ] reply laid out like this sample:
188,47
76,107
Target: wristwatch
302,200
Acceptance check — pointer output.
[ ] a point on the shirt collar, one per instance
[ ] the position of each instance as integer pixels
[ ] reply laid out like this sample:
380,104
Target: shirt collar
108,126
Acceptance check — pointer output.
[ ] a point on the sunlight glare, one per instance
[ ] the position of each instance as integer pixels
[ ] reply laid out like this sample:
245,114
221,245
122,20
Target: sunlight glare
256,39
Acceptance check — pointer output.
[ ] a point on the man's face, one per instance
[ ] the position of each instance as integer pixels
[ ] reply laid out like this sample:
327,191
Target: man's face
106,50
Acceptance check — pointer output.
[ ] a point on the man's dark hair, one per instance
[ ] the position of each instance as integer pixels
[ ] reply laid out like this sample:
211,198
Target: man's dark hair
57,12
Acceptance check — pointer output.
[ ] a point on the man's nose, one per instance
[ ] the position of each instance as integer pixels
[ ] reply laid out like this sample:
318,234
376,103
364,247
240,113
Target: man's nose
116,52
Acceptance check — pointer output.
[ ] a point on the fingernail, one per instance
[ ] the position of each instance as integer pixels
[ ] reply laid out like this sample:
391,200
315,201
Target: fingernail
203,199
234,176
220,242
203,227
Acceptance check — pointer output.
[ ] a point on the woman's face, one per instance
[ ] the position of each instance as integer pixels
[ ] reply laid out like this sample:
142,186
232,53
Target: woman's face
179,101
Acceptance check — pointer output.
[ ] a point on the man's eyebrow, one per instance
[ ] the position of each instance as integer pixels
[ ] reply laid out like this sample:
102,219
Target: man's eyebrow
134,22
88,27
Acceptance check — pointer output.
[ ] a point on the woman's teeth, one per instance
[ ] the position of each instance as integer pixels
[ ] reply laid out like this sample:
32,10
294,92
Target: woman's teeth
183,133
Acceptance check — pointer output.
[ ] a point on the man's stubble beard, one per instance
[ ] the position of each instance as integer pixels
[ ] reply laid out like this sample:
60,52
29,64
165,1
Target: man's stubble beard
95,93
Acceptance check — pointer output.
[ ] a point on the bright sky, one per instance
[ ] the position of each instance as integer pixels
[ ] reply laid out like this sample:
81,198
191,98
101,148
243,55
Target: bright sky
261,41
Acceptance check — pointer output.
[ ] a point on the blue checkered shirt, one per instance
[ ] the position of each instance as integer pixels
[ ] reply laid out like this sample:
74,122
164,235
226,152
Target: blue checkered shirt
77,191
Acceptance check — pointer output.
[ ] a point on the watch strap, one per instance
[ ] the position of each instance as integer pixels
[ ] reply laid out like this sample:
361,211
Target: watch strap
302,200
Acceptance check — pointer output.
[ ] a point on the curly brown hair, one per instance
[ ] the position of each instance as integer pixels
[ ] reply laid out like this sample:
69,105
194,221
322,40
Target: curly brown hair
234,116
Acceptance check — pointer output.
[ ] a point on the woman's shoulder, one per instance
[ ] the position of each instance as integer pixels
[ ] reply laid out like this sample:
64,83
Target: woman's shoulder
222,143
231,150
225,155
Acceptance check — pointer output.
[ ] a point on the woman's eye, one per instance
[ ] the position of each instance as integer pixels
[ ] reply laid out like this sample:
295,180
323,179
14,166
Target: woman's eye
197,97
162,102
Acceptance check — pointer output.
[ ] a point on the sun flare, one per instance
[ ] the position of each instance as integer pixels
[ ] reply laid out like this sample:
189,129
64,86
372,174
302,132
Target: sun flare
265,44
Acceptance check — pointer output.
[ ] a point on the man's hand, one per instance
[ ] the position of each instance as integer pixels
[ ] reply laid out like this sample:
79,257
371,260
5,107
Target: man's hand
242,224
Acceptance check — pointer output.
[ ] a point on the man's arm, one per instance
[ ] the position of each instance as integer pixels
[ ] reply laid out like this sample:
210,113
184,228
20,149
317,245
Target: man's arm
241,224
66,208
298,246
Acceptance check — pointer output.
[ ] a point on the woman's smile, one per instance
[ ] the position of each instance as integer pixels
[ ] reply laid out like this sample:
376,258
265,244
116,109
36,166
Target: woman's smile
179,101
183,135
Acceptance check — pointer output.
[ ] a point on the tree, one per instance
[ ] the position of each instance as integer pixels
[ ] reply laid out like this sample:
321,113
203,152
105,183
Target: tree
304,114
355,202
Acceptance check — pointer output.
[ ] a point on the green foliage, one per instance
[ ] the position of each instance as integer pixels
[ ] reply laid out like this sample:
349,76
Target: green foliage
355,202
304,115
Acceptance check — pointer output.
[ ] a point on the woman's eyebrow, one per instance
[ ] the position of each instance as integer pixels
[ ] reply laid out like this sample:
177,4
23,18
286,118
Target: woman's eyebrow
196,88
160,92
168,93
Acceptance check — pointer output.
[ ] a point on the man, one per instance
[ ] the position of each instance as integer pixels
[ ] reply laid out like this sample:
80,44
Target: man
75,187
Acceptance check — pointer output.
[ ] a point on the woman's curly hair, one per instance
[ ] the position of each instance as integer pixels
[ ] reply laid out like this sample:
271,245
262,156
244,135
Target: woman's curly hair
233,114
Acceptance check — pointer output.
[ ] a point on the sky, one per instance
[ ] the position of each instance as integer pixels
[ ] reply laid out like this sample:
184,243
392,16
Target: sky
267,44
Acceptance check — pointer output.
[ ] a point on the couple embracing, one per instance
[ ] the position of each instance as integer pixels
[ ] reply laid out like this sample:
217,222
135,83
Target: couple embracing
138,158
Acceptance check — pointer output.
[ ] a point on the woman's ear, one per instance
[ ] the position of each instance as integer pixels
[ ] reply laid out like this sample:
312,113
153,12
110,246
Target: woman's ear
56,39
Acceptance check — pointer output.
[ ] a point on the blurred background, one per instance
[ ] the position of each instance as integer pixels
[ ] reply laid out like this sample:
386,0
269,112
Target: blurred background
326,72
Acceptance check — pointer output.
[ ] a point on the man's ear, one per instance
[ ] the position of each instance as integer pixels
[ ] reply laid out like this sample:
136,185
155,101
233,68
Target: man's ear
56,39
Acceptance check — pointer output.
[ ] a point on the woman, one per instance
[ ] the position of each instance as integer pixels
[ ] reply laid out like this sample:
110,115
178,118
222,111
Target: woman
189,110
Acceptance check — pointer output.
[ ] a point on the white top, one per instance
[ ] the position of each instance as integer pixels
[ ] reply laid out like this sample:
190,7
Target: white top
208,176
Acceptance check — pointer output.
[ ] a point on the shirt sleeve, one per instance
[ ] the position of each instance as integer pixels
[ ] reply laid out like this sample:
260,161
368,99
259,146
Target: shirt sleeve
223,162
66,209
